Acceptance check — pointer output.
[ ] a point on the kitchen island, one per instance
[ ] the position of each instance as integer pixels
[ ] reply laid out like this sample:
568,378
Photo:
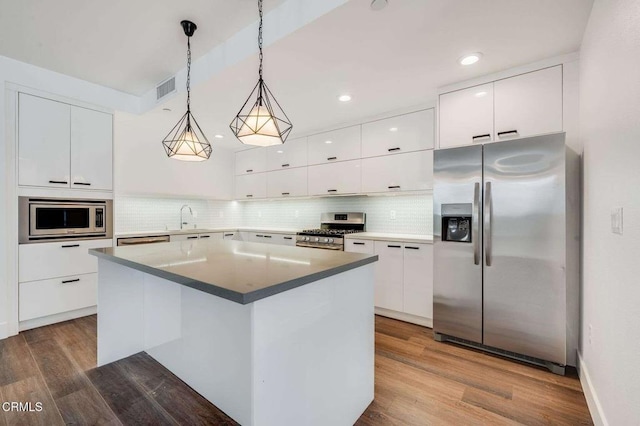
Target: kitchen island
271,335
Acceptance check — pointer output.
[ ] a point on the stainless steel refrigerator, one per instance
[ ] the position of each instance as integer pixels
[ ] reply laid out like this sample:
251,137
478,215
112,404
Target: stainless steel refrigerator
506,248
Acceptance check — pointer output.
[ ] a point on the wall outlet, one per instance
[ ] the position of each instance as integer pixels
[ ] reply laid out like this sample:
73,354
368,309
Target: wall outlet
392,215
616,220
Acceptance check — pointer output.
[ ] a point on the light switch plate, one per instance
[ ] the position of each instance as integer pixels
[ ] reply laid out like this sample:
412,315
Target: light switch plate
616,220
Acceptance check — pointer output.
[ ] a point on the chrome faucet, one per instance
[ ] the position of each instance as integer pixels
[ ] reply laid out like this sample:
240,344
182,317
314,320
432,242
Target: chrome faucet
182,222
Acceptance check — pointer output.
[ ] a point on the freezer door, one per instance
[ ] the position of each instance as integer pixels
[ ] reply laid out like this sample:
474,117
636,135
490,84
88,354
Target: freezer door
524,247
457,285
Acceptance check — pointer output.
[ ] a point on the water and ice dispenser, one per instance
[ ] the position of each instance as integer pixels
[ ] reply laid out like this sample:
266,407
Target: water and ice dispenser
456,223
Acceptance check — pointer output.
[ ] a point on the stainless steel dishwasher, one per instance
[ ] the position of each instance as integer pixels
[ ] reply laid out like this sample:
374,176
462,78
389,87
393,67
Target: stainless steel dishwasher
132,241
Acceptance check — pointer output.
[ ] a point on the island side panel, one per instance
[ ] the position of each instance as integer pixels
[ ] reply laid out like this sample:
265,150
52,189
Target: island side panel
314,352
203,339
120,311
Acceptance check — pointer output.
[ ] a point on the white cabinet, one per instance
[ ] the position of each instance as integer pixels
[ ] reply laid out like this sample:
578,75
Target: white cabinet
291,154
48,260
91,149
284,239
230,236
272,238
529,104
183,237
394,135
466,116
251,186
418,279
336,145
197,236
43,134
524,105
251,161
211,236
287,183
389,275
412,171
335,178
63,146
358,246
57,295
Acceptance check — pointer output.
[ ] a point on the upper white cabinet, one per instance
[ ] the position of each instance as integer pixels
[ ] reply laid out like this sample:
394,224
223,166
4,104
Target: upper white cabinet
291,154
412,171
251,161
91,149
335,178
336,145
63,146
403,133
287,183
251,186
43,132
466,116
529,104
524,105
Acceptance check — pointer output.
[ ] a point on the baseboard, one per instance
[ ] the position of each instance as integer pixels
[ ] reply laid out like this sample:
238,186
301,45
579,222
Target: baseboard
597,415
52,319
414,319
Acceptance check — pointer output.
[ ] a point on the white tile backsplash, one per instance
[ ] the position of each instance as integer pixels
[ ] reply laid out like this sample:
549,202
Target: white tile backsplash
404,214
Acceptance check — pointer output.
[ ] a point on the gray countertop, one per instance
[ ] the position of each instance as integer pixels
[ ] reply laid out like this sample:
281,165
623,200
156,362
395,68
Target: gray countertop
239,271
384,236
204,231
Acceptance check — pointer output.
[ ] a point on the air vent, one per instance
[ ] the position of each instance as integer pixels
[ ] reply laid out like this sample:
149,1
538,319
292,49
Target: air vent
165,88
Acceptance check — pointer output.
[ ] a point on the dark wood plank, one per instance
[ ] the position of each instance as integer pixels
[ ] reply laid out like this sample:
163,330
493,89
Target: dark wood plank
184,404
85,407
16,363
32,389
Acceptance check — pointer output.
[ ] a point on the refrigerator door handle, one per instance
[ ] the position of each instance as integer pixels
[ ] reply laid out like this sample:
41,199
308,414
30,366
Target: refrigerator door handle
487,223
476,224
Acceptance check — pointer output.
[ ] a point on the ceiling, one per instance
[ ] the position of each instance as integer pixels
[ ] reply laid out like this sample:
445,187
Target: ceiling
128,45
386,60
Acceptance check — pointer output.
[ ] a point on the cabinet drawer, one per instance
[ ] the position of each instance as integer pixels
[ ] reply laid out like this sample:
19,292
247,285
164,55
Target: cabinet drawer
337,145
412,171
49,260
358,246
183,237
395,135
57,295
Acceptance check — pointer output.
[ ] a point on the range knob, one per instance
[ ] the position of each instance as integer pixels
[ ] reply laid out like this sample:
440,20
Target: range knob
317,239
305,238
326,240
330,240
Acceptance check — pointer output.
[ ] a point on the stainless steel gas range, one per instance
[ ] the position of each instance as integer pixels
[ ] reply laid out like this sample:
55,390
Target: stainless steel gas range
333,227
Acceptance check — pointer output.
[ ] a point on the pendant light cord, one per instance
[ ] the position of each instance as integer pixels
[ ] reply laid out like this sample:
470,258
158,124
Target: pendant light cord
188,74
260,38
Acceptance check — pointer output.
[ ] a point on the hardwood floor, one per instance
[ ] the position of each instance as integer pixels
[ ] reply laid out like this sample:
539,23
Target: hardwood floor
418,382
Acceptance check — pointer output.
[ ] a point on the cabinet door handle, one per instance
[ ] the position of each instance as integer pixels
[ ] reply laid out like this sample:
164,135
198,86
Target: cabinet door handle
205,236
259,236
412,248
288,238
192,238
249,195
332,158
70,245
357,244
59,182
82,183
229,235
267,236
71,281
393,246
508,132
285,165
394,187
332,190
249,170
393,149
285,193
488,135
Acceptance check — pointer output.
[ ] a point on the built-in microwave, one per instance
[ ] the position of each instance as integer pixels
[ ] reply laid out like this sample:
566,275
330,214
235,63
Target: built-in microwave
50,219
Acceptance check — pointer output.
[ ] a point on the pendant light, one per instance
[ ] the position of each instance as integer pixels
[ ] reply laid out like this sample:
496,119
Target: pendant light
186,141
261,121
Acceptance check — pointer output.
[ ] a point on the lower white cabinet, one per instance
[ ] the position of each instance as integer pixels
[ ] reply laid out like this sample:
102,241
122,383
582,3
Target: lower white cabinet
183,237
284,239
211,236
56,295
335,178
287,183
268,238
412,171
251,186
230,235
403,276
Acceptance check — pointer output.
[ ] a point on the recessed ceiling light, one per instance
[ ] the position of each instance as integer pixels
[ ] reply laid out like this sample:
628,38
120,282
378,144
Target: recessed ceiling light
393,129
279,152
481,94
378,4
218,136
470,59
344,98
328,142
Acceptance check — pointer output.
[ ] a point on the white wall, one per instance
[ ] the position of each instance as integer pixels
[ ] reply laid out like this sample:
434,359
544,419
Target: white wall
610,131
